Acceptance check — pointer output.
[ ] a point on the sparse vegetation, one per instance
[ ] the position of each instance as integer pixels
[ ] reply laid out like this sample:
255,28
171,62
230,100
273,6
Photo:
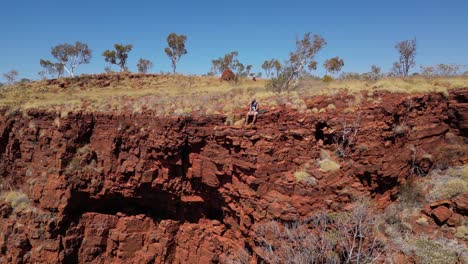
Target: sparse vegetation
462,232
340,238
299,61
333,65
144,65
17,199
230,62
407,51
302,176
446,184
396,222
118,56
69,57
164,94
434,252
441,70
375,73
51,69
270,65
325,162
175,49
345,137
327,78
327,165
81,163
10,76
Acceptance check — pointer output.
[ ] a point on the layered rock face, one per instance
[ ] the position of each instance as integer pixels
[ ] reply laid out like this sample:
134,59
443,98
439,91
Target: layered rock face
106,188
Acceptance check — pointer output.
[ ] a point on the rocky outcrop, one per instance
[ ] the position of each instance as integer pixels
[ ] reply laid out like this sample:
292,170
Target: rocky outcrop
107,188
228,75
459,109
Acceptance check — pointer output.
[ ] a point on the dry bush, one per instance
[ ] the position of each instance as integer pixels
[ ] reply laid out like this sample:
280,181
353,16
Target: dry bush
346,136
341,238
82,162
237,256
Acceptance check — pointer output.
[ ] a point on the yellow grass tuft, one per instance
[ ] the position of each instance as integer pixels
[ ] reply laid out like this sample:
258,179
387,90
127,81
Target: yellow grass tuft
327,165
301,175
462,232
17,199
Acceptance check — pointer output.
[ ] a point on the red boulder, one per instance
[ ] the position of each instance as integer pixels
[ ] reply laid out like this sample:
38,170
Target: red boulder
228,75
441,214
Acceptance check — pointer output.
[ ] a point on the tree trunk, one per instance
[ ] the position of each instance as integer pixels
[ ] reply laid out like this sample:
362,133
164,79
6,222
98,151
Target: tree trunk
69,72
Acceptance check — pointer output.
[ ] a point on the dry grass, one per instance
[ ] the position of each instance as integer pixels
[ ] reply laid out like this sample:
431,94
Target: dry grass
462,232
437,251
394,85
446,184
181,95
325,162
303,176
327,165
17,199
396,221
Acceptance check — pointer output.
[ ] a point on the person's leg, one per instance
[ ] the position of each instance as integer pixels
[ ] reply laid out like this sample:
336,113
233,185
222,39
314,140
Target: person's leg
247,118
254,118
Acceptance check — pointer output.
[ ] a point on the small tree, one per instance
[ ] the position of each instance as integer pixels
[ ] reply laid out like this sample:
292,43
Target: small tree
11,76
277,65
144,65
71,56
295,67
269,65
51,68
441,70
375,73
407,50
228,62
176,48
246,73
397,70
118,56
333,65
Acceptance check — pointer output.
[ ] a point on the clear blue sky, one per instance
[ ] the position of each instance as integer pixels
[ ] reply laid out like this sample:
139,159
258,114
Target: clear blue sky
361,32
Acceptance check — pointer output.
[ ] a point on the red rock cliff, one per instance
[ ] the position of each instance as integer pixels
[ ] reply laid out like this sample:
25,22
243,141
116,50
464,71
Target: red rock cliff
106,188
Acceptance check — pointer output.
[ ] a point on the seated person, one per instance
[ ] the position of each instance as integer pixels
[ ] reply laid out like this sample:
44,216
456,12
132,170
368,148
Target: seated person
253,111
